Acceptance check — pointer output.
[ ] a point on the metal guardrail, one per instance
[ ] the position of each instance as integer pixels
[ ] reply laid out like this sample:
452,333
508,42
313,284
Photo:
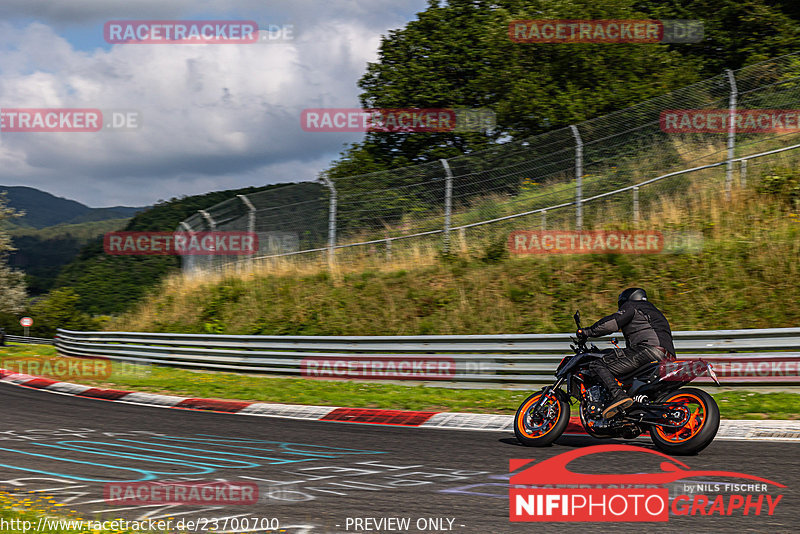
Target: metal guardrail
752,356
28,339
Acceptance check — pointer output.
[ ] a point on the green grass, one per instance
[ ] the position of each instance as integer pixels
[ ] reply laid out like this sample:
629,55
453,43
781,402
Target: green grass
206,384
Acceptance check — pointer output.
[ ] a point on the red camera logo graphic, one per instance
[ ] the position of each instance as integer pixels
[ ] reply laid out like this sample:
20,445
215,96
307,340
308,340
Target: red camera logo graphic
535,495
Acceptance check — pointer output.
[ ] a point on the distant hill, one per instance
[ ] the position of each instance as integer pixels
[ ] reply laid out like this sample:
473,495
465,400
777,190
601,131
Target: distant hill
42,252
43,209
111,284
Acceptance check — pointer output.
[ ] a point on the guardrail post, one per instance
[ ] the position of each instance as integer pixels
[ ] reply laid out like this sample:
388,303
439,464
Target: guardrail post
448,202
731,133
331,218
544,220
388,249
578,178
636,203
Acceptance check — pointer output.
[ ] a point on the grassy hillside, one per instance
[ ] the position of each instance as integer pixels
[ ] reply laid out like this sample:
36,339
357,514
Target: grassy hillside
111,284
745,276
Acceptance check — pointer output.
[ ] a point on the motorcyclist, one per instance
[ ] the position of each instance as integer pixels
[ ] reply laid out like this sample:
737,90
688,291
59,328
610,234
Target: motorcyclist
648,339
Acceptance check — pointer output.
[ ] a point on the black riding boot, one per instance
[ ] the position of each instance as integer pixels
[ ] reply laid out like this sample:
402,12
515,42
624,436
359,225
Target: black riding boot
619,399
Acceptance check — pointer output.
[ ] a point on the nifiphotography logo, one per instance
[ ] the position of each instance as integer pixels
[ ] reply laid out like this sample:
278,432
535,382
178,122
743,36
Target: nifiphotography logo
549,492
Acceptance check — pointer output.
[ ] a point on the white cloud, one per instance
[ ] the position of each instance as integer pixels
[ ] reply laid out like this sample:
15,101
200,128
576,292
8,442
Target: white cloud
214,116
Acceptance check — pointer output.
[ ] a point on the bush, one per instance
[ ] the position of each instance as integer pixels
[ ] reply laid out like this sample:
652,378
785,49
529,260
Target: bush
60,310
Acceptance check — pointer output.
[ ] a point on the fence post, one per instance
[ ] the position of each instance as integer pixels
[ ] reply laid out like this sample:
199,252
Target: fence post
544,220
578,178
636,203
743,173
213,226
331,218
187,262
731,133
448,203
251,219
388,249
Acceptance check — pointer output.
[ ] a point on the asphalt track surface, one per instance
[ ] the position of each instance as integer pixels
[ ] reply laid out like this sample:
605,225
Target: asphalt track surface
314,476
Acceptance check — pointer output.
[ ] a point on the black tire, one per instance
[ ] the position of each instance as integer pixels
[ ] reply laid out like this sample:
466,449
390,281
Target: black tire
698,433
549,428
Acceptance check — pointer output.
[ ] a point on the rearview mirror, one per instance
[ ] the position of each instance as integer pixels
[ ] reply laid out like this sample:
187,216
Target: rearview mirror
577,318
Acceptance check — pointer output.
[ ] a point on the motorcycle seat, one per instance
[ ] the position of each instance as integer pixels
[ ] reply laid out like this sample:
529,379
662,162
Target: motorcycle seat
646,369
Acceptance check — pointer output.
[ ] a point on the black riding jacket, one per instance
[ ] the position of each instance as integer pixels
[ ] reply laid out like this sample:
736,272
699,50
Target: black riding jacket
641,324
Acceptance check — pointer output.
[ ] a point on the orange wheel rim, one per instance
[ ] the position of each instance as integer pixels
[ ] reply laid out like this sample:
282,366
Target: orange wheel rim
548,423
697,418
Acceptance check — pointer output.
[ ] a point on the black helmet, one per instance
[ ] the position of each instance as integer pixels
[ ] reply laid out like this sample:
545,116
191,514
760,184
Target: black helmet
632,293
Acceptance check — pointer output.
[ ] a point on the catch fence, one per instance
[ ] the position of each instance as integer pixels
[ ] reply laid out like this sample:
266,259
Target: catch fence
570,178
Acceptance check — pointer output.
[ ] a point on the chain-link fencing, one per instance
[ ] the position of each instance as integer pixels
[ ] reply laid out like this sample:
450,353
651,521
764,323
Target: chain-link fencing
716,132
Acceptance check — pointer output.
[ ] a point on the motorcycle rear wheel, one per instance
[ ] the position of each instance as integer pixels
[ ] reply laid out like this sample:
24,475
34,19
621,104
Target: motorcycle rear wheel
544,429
698,432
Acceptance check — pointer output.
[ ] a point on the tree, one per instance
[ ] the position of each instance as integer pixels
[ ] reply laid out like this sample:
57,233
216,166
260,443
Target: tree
459,55
12,282
60,310
737,32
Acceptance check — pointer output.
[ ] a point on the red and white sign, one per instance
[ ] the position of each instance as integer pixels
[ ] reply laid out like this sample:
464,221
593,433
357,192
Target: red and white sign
26,321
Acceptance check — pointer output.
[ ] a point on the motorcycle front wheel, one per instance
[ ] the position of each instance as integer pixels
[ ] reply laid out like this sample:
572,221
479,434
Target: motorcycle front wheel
545,428
698,431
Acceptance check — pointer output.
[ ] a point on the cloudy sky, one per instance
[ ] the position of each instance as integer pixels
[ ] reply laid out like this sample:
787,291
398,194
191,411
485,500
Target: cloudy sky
213,116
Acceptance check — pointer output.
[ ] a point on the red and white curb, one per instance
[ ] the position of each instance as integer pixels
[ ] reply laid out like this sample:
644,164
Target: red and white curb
763,430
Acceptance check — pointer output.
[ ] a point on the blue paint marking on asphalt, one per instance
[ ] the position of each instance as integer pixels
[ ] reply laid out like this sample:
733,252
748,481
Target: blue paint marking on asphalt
75,446
140,451
465,490
147,475
273,459
287,445
199,468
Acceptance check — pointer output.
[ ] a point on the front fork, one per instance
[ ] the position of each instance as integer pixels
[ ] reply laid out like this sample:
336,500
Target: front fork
546,393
